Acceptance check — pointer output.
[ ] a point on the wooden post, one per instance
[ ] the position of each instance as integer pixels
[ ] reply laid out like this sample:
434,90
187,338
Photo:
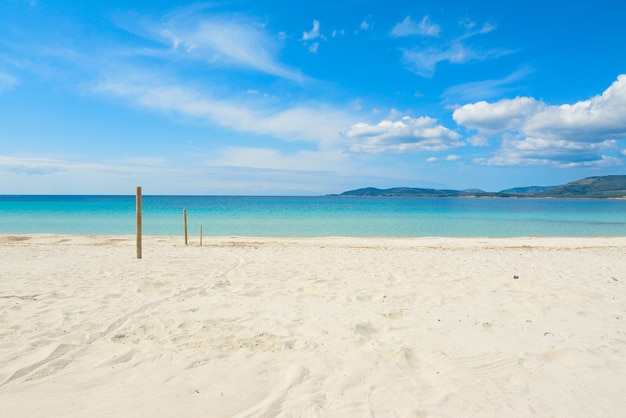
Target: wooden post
201,235
138,221
185,222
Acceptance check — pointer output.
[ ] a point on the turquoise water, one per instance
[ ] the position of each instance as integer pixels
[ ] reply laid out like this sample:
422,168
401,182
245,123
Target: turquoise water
314,216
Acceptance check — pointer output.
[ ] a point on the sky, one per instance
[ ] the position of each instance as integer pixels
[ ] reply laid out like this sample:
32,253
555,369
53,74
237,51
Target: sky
254,97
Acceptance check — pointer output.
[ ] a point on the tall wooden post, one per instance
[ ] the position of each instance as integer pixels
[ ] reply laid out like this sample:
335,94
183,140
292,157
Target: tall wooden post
139,222
201,235
185,222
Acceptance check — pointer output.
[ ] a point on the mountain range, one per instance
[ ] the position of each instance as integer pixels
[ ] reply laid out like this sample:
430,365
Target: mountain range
591,187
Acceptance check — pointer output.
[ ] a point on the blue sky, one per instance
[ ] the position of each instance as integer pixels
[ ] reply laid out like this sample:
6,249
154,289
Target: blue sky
255,98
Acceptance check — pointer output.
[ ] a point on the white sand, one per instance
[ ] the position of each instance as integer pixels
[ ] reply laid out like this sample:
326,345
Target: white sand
343,327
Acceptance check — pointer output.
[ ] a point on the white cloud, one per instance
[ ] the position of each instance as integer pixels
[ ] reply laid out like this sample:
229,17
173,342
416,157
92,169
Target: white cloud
491,118
407,28
405,135
431,159
453,157
313,33
365,25
599,118
579,134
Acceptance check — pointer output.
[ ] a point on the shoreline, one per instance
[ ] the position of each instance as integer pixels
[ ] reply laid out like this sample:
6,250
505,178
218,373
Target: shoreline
30,235
339,326
434,242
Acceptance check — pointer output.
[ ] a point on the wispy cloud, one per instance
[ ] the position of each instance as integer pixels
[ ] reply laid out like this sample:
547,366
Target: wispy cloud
314,123
472,30
481,90
213,38
60,166
569,135
408,27
451,157
314,33
30,165
423,59
404,135
364,26
231,171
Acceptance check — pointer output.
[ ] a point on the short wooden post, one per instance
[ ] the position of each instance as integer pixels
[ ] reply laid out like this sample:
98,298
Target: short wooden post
185,222
201,235
139,222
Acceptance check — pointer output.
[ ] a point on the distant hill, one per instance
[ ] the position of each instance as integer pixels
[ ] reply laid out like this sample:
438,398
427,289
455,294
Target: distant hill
599,187
590,187
401,191
531,190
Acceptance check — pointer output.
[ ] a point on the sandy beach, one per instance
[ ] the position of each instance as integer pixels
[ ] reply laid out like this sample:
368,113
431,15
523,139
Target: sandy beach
320,327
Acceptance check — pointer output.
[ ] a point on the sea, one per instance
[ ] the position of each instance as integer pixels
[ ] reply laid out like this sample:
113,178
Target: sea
313,216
